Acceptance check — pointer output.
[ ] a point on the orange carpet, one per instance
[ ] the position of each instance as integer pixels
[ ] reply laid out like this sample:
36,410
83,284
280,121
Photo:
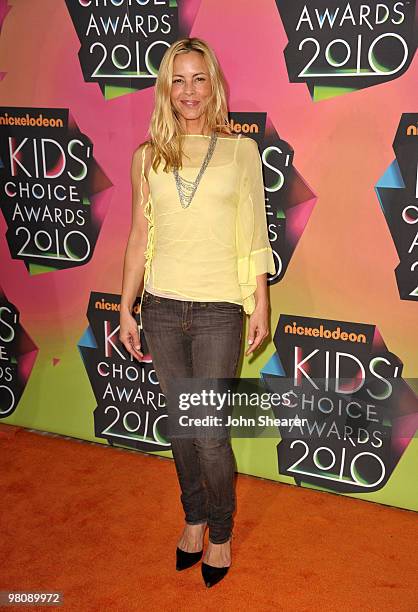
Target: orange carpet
101,525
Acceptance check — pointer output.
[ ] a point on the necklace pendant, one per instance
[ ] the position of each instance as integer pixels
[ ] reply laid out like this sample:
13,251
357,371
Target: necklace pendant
185,188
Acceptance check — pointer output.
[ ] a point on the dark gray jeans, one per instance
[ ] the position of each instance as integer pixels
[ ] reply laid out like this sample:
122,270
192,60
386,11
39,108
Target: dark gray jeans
198,339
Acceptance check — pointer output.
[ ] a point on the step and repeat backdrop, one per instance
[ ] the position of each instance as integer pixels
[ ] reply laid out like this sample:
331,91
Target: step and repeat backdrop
329,92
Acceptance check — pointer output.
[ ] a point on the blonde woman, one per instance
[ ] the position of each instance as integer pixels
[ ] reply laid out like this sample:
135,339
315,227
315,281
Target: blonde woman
199,242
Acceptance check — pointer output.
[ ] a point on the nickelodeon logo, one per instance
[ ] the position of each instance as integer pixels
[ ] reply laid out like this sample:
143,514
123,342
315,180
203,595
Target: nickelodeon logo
323,332
113,306
244,128
31,121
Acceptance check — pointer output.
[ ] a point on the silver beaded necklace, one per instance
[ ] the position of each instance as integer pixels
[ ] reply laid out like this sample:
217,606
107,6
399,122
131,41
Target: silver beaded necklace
186,189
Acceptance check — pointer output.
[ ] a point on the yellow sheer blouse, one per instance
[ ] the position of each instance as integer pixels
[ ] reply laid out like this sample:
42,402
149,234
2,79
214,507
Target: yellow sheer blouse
214,249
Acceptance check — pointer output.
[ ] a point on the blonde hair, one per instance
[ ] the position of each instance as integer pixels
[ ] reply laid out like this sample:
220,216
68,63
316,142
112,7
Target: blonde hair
165,129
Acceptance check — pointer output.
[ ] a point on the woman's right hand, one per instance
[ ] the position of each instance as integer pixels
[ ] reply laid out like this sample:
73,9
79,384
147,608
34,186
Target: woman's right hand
129,335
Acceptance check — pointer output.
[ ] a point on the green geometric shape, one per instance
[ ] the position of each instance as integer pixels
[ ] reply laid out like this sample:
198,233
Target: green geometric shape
40,269
326,92
114,91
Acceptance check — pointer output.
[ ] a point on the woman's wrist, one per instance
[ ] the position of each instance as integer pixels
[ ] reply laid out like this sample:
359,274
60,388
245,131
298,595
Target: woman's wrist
261,293
262,307
261,302
125,308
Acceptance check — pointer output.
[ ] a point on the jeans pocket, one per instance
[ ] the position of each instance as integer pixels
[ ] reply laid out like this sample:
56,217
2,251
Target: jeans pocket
226,307
148,299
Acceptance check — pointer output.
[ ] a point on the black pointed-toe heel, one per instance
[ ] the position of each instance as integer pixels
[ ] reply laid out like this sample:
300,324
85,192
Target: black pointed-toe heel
185,559
212,575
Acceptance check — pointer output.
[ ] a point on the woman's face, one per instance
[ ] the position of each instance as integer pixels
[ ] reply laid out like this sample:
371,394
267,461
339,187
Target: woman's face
190,88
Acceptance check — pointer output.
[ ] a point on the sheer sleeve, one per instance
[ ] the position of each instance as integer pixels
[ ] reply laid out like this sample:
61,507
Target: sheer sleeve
254,253
146,204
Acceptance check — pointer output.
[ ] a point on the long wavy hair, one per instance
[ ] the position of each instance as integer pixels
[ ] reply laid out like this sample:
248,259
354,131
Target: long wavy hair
165,130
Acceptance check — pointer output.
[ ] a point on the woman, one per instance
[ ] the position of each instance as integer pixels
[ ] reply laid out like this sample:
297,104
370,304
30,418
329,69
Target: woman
199,239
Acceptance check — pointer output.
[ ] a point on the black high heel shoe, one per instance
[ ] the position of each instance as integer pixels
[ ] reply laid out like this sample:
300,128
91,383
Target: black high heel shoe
185,559
212,575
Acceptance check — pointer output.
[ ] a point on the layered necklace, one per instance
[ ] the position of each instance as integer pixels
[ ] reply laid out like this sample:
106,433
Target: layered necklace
186,189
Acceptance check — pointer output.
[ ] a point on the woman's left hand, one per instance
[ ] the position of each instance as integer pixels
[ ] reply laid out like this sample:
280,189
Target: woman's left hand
258,327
